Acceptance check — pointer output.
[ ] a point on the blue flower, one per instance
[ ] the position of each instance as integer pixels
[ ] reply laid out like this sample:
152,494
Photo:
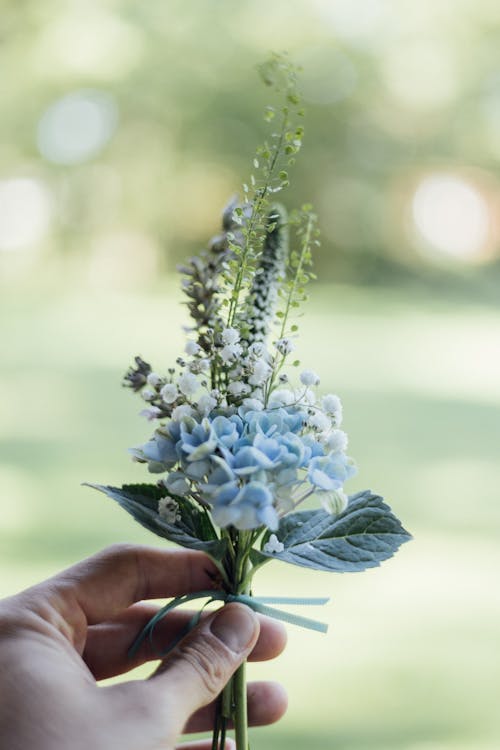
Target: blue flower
227,431
197,440
250,459
160,452
245,508
330,472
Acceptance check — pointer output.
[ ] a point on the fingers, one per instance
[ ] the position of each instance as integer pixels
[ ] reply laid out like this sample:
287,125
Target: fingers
267,702
107,583
200,666
106,650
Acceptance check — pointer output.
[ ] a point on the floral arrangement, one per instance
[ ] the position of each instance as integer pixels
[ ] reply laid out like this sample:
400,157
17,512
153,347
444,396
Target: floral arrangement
239,445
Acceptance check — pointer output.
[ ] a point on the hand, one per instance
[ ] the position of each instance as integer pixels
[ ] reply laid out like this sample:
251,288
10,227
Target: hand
61,636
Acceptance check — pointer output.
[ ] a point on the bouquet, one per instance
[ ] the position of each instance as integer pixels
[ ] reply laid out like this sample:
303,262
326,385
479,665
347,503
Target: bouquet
239,444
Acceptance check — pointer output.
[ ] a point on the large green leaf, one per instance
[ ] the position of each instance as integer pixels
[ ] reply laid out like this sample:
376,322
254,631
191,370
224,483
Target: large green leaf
361,537
194,530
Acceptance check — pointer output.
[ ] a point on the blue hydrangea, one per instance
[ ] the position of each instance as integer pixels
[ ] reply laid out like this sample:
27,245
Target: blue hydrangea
249,465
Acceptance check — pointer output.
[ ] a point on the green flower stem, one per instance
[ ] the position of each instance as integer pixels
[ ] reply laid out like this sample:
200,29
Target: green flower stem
240,708
243,579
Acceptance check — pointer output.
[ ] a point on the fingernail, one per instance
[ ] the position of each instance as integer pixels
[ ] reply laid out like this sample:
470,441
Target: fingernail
235,626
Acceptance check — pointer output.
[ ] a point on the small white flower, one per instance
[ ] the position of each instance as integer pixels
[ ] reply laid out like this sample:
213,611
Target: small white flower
229,352
206,403
168,510
334,502
236,388
285,346
169,393
204,364
309,377
230,336
148,395
188,384
192,348
319,421
256,350
306,398
182,411
152,413
273,545
153,379
253,404
336,441
282,397
333,406
261,373
215,393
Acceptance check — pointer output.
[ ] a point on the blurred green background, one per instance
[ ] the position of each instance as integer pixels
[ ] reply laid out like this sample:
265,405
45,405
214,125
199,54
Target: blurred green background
124,128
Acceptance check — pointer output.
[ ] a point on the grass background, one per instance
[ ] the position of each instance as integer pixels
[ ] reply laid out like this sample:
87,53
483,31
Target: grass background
412,657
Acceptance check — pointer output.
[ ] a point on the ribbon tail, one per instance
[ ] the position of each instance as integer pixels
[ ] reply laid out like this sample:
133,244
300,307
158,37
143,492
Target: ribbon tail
280,614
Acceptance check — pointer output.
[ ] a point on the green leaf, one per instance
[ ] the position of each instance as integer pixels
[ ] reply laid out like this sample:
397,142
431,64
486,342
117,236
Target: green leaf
194,530
361,537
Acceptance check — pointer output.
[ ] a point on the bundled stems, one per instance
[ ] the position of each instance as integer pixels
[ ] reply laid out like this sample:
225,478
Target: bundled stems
232,703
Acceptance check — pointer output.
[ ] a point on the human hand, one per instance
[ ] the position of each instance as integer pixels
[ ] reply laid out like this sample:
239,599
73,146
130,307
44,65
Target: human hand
61,636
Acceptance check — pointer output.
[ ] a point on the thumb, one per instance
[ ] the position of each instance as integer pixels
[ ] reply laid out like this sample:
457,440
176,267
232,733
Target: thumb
197,670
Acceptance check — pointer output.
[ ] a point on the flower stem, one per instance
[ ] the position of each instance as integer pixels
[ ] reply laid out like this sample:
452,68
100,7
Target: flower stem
240,708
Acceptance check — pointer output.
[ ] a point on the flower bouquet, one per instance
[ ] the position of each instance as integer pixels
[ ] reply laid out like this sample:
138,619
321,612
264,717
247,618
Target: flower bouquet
239,445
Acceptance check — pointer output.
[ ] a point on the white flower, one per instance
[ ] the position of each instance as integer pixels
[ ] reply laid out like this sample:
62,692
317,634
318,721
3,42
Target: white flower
182,411
285,346
192,348
253,404
319,421
188,384
229,352
169,393
168,510
309,377
230,336
282,397
206,403
334,502
150,413
273,545
306,398
148,395
333,406
153,379
204,364
256,350
261,373
336,441
236,388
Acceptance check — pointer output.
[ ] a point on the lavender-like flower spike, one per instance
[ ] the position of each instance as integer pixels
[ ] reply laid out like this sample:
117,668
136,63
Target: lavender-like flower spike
268,275
202,283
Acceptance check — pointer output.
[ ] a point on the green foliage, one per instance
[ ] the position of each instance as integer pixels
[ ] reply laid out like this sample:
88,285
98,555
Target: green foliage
361,537
272,161
194,529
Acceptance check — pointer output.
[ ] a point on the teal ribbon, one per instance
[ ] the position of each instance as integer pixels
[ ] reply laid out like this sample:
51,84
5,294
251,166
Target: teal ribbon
259,604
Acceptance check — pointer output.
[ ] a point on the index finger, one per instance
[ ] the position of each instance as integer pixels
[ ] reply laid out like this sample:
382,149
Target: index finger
110,581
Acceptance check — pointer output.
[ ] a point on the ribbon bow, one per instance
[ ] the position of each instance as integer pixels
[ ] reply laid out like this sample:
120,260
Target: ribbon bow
258,604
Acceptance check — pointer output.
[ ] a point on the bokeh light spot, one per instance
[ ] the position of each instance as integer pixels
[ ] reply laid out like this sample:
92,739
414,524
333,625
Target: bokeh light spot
25,212
452,216
77,127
